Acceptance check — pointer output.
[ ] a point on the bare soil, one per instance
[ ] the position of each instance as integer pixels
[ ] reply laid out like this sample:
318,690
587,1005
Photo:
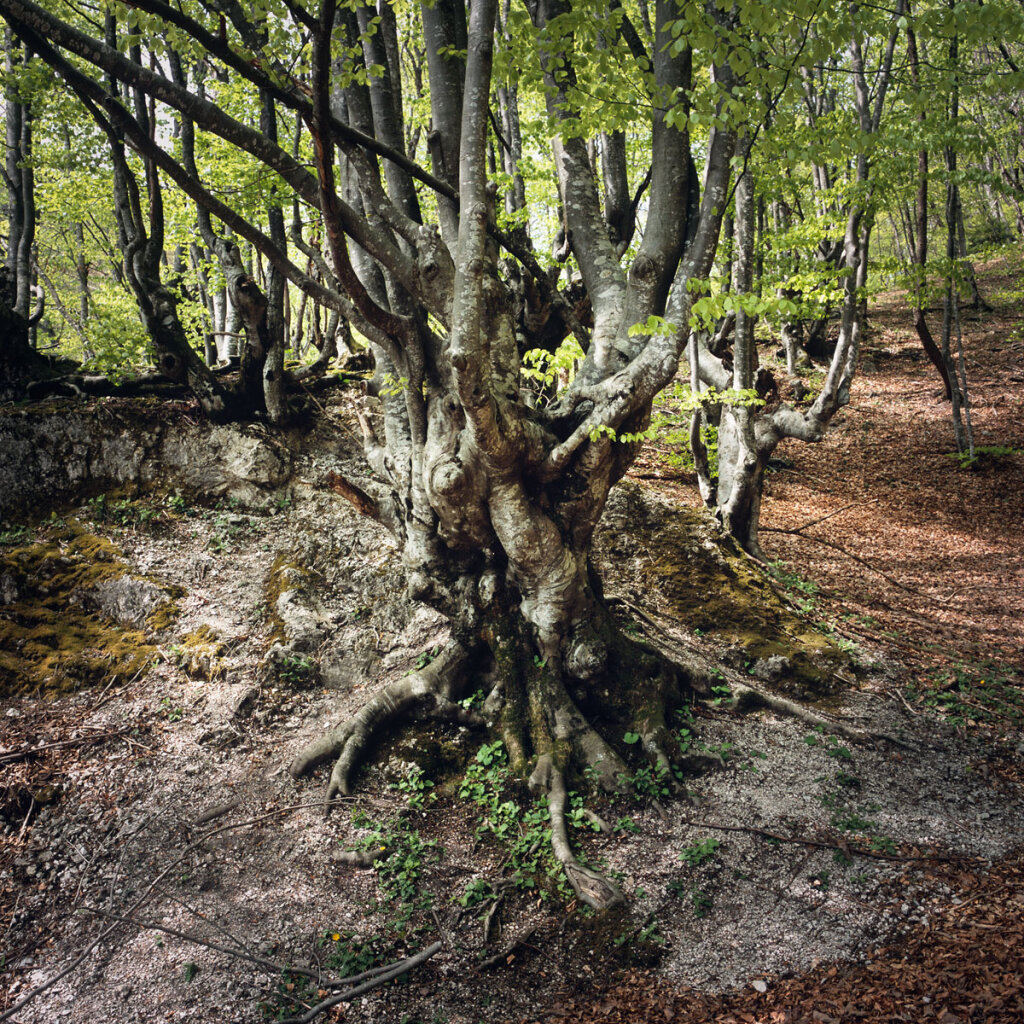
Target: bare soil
849,881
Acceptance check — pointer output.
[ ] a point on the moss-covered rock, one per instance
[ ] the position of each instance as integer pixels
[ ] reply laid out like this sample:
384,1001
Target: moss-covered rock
201,654
680,559
298,618
72,614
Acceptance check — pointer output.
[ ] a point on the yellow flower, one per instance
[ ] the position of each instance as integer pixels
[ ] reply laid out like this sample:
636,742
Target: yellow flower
336,937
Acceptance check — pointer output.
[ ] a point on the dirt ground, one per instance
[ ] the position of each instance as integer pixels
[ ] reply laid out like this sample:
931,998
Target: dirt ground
805,877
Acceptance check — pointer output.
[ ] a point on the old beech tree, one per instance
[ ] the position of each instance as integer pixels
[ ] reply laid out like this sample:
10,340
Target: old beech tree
493,493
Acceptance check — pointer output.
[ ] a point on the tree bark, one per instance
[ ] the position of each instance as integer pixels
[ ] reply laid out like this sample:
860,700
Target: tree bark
921,236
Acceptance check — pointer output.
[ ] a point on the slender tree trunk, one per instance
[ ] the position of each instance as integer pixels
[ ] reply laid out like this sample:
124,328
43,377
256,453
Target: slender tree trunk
27,226
921,239
141,235
950,304
273,367
18,360
977,302
740,468
299,327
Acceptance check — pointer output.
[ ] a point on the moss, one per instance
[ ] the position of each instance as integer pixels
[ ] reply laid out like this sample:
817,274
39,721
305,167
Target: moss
201,654
52,638
705,581
165,615
286,574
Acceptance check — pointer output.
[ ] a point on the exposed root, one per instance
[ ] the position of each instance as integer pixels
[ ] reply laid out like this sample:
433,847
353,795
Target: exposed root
433,688
590,886
536,705
745,697
501,958
609,769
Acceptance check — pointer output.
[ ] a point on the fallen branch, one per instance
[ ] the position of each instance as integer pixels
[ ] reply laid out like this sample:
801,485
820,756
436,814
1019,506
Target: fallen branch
387,974
823,844
253,958
745,696
27,752
197,940
502,957
821,519
217,811
77,962
849,554
356,496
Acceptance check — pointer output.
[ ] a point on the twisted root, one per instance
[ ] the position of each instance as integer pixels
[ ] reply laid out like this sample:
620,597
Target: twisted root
434,688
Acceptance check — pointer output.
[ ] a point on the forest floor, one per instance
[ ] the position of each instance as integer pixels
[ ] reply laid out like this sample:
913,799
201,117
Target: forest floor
807,879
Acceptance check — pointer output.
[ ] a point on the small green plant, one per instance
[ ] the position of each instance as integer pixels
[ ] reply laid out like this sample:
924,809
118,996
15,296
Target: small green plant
120,512
722,693
14,535
983,455
987,693
418,789
189,972
477,891
525,832
752,755
700,852
484,784
423,659
723,751
701,901
651,782
177,504
474,700
698,899
685,730
403,854
853,819
347,953
296,670
170,711
882,844
577,815
830,745
801,592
